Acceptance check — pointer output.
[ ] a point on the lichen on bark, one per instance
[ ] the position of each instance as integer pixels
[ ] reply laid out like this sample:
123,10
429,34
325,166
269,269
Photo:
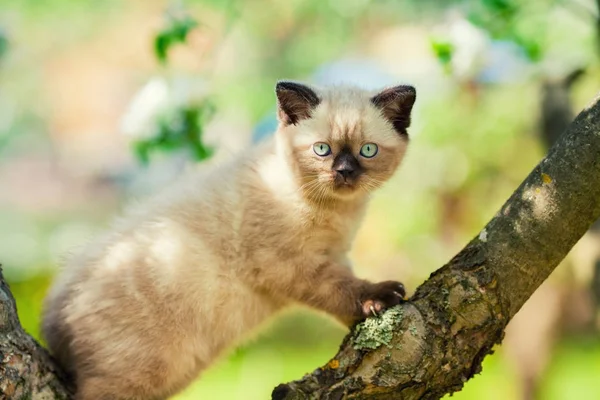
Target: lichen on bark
378,330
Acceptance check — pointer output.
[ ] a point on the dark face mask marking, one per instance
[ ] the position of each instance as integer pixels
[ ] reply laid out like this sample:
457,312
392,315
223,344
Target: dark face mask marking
346,167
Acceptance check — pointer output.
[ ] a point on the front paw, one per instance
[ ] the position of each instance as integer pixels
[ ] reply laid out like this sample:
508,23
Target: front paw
379,296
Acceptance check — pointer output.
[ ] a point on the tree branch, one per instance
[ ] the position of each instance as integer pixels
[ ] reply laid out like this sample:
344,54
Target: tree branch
26,369
432,344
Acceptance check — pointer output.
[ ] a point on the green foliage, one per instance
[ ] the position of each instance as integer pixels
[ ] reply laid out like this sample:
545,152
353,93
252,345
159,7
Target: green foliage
175,32
514,21
505,8
182,128
443,50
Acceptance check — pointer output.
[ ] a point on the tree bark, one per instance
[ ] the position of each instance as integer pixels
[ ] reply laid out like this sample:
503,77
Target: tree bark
26,369
431,345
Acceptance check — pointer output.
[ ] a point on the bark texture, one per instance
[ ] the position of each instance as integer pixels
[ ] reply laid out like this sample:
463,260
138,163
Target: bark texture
431,345
26,369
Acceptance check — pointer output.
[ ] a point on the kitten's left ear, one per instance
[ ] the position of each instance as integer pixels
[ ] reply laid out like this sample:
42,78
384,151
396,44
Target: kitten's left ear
295,102
396,104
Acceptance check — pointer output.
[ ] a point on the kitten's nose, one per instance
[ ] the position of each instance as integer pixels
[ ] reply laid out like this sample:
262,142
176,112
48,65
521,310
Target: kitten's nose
346,167
346,172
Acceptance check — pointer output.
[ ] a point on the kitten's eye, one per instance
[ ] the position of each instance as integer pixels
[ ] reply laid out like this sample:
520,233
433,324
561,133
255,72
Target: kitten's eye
368,150
321,149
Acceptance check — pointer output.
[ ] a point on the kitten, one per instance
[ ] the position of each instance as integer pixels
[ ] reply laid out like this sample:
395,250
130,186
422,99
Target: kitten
141,311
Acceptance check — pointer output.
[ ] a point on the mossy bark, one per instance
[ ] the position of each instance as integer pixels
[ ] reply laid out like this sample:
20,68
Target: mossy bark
26,370
442,334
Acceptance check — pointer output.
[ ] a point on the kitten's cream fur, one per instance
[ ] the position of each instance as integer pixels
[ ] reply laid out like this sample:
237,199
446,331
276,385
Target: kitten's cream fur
140,312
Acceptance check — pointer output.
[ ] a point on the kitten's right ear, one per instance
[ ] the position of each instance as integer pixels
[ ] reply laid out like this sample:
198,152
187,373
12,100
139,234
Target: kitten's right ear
294,102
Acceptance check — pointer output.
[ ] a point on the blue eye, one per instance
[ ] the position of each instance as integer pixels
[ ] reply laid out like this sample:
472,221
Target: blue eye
321,149
368,150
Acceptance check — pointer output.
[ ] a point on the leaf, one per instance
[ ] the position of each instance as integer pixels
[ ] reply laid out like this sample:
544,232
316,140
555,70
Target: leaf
503,8
162,43
141,150
176,32
183,128
443,50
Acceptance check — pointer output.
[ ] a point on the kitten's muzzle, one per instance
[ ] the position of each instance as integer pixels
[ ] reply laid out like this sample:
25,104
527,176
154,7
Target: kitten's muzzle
347,169
346,177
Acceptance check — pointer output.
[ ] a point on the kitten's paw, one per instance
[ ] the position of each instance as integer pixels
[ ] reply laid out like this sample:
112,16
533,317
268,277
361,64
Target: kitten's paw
380,296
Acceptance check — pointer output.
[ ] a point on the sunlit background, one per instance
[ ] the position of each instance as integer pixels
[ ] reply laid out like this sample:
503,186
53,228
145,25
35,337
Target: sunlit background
106,101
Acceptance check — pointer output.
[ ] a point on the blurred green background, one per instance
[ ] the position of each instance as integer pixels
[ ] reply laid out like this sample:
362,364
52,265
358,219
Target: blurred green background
103,102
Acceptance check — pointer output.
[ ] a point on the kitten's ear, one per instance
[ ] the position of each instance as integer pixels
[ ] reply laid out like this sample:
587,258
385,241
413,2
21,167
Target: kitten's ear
396,104
294,102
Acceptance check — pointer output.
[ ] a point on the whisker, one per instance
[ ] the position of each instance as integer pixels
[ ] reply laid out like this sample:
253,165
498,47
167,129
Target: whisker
309,185
368,184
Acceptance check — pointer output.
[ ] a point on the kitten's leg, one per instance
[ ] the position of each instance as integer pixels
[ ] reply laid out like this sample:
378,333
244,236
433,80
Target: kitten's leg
331,287
334,289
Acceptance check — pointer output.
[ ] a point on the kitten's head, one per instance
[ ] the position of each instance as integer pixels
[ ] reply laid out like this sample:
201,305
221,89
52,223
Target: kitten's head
343,142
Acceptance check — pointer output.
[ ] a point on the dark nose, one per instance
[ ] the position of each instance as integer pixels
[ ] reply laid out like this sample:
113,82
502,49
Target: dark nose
346,166
346,172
